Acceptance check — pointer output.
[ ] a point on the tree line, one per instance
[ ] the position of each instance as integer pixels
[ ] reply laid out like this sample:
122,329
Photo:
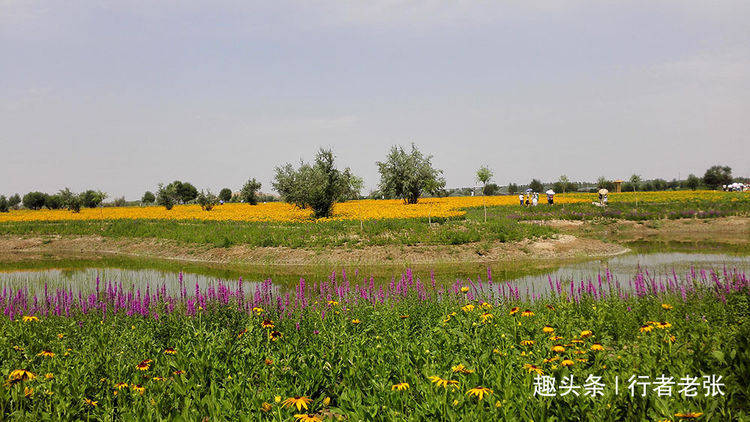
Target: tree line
405,174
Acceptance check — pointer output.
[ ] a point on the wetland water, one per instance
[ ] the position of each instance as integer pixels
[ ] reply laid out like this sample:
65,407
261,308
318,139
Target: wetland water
622,268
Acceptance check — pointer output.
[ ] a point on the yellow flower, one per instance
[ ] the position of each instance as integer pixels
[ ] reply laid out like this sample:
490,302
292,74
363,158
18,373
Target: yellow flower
486,317
49,375
28,392
567,362
326,401
486,305
170,351
300,402
532,368
514,310
143,366
333,303
257,310
465,289
690,415
21,375
663,325
267,323
400,386
138,389
266,407
30,318
667,306
548,329
468,307
277,399
60,336
555,338
558,348
307,417
646,328
443,382
91,403
275,335
46,354
552,359
356,321
527,313
121,385
597,347
527,342
586,333
479,392
461,369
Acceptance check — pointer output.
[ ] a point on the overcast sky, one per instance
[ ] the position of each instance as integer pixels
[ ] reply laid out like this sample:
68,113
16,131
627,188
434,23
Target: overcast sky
122,95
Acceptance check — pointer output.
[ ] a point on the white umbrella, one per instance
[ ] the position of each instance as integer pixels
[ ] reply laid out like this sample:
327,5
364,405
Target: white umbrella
528,190
603,191
550,192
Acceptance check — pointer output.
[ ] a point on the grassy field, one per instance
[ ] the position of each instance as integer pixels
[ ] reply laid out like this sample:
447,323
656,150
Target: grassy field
467,226
410,351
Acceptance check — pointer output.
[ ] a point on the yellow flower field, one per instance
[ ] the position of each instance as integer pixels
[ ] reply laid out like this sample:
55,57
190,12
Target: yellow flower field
367,209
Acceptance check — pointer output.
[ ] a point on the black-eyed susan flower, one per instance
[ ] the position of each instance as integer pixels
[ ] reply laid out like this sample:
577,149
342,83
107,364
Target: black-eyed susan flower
550,307
400,386
275,335
532,368
308,417
468,307
586,333
486,317
555,338
28,392
143,366
403,316
138,389
440,382
90,402
266,407
267,323
49,375
21,375
300,402
558,348
567,362
663,325
178,372
645,328
547,329
170,351
46,354
514,310
667,306
485,305
257,310
597,347
355,321
479,392
326,401
30,318
268,362
465,289
576,341
460,368
60,336
121,385
527,313
527,342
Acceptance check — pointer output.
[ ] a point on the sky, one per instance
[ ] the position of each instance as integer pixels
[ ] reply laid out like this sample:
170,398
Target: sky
123,95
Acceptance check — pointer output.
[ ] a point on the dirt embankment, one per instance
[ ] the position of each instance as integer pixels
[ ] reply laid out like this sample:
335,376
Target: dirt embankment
576,240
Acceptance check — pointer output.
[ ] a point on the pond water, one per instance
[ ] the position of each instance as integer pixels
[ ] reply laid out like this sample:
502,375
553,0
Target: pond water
621,267
624,267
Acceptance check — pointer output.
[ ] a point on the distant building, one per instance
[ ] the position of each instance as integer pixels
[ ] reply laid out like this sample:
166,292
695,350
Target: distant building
618,185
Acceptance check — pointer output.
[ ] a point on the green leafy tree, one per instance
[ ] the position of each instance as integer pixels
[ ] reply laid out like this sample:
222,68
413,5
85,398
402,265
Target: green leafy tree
409,175
512,188
4,205
536,185
184,192
166,196
635,182
484,174
34,200
74,203
491,189
54,201
207,200
225,194
249,192
318,185
716,176
92,198
693,182
14,200
148,197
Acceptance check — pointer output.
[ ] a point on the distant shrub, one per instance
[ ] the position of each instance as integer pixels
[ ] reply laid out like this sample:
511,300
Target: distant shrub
74,203
54,202
225,195
536,186
120,202
512,188
207,200
14,200
166,196
409,175
249,192
148,198
491,189
4,205
34,200
92,198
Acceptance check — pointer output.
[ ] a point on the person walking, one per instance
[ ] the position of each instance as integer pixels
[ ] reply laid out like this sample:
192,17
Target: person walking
551,197
520,198
535,199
